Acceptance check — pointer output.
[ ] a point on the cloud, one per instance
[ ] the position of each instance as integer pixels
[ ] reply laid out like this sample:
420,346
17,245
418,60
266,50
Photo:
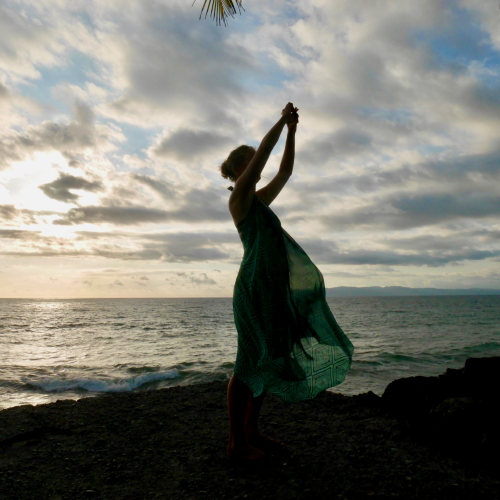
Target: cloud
202,279
194,247
144,278
20,234
163,188
113,215
70,138
345,141
392,258
4,91
26,42
8,212
119,283
13,216
186,145
196,205
166,247
122,254
199,279
46,252
457,172
411,211
424,250
425,209
60,188
162,51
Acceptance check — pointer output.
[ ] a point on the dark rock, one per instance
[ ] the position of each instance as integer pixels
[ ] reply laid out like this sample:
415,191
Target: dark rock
452,383
369,399
456,407
413,395
482,377
459,423
457,411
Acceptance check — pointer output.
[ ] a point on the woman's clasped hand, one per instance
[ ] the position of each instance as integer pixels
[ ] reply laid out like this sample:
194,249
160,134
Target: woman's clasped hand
291,113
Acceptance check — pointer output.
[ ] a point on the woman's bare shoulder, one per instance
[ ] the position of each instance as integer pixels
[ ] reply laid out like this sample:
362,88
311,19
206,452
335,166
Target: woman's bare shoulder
240,206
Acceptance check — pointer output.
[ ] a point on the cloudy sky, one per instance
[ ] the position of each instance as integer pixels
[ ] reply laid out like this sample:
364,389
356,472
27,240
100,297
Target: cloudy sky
116,114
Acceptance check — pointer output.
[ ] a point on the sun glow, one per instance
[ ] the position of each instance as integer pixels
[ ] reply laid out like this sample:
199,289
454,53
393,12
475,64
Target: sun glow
22,181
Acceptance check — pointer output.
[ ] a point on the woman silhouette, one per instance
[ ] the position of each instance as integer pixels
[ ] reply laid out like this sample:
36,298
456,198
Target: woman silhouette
288,340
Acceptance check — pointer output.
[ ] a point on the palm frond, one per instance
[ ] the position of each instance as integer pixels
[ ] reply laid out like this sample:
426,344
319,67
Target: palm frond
221,9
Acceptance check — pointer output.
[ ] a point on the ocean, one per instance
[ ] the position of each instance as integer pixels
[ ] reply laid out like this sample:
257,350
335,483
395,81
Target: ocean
70,349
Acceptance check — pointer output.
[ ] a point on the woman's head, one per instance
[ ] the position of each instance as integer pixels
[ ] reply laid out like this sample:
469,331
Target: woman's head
236,162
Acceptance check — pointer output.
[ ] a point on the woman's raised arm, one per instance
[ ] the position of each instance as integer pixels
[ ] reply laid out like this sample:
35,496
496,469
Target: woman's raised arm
248,179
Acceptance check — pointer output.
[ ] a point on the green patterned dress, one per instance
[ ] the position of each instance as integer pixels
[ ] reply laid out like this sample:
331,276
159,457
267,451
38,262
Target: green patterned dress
288,340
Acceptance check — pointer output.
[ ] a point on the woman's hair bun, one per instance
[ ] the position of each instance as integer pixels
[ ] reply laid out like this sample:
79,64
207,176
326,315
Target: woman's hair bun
235,158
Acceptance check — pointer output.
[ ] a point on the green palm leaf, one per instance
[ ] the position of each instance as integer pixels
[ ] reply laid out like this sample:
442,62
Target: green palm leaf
221,9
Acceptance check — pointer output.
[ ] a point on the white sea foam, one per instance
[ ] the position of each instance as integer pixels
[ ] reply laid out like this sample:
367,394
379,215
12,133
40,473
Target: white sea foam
96,385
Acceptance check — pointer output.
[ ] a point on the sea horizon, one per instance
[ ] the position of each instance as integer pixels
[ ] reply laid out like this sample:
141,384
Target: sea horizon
331,292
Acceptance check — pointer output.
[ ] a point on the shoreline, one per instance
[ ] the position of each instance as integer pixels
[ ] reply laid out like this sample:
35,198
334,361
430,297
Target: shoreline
171,444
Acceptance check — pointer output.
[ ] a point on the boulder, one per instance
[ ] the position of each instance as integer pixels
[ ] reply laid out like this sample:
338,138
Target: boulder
482,377
457,411
479,379
413,396
369,399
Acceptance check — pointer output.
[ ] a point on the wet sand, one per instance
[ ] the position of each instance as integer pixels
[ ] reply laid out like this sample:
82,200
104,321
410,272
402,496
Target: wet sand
171,444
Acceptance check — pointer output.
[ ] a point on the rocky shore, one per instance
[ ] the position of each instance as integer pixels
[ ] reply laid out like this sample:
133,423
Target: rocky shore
425,438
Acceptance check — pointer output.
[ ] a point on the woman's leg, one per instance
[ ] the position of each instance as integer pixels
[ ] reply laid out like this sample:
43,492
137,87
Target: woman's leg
237,399
251,427
237,396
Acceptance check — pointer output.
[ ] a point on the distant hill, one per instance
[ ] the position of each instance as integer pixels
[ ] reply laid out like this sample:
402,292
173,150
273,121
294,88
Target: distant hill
402,291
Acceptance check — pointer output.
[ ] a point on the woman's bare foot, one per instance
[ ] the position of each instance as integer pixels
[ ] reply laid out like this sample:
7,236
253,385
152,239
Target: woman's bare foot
265,443
246,452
